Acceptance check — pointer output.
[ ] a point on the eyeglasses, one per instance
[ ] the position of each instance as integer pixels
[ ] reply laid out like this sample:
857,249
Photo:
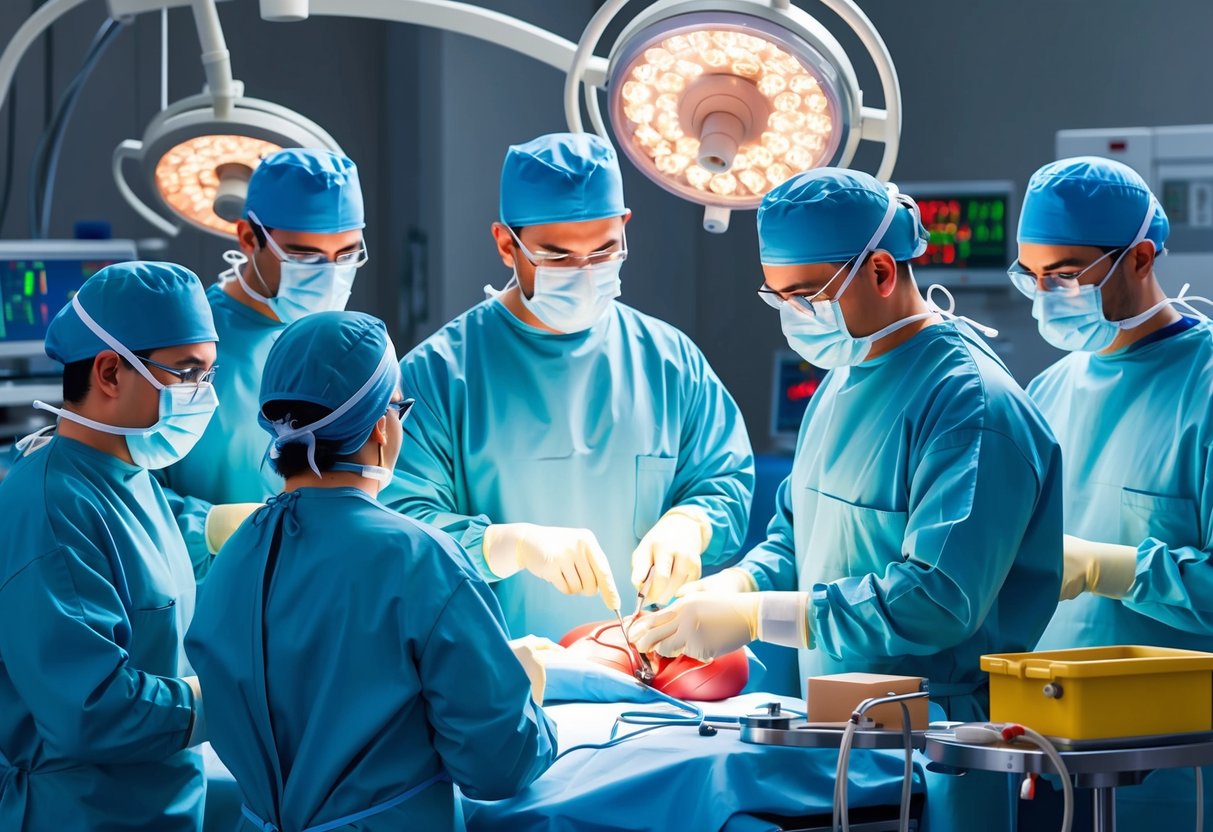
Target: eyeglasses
1066,282
803,301
401,408
357,259
572,261
188,375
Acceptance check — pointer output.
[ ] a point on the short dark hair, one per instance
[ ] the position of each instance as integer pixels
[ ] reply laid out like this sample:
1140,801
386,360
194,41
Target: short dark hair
78,377
260,233
292,458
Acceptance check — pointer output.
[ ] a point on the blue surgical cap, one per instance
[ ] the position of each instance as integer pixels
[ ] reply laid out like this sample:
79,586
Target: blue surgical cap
306,190
561,177
326,359
1089,201
143,305
828,215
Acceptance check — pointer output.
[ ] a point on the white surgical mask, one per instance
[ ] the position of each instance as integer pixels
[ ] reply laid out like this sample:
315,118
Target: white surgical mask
185,410
303,288
573,300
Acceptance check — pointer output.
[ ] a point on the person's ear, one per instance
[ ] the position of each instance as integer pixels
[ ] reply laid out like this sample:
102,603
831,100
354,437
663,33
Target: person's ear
379,432
105,373
1141,259
505,243
884,270
246,237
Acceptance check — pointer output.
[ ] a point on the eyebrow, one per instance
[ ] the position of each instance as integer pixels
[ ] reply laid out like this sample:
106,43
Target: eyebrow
803,286
1071,262
294,249
190,361
558,250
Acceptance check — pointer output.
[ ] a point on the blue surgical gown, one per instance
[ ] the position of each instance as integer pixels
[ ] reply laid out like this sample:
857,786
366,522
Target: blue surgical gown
923,516
364,659
228,463
96,592
1136,431
605,429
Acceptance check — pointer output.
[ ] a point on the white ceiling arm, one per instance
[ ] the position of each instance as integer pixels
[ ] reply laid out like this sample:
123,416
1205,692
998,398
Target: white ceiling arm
24,38
463,18
216,60
861,25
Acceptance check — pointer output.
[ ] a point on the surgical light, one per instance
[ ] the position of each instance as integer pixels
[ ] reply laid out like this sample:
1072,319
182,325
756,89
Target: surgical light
718,101
198,164
725,113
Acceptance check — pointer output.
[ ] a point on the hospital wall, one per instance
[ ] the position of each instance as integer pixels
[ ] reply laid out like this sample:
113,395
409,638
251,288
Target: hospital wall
427,115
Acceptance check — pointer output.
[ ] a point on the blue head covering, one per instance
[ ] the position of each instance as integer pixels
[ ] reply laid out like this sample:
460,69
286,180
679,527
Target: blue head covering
309,190
343,361
143,305
1089,201
828,215
561,177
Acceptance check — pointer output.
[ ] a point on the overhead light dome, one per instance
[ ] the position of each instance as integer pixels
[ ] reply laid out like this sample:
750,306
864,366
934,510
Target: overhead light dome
198,165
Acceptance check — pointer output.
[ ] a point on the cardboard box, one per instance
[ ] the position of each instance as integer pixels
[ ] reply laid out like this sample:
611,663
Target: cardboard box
834,698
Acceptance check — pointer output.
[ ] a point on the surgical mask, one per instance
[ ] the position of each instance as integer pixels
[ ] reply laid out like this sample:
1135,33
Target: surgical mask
573,300
184,413
1072,318
378,473
817,330
303,287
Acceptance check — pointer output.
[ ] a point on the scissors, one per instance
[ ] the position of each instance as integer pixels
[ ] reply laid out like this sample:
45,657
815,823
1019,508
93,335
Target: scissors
644,672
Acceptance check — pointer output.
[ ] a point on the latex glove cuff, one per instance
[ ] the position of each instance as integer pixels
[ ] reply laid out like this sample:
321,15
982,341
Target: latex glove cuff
783,619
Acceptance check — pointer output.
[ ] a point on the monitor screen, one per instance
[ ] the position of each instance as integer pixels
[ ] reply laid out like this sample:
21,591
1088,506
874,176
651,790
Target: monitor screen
39,277
796,380
967,231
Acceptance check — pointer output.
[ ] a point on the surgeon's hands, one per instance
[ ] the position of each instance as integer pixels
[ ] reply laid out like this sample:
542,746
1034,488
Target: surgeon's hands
222,522
703,625
569,559
732,579
669,555
1106,569
532,652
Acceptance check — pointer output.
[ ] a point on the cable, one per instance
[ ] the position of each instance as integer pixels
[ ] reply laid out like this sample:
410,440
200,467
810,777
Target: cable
1200,799
9,155
842,774
46,156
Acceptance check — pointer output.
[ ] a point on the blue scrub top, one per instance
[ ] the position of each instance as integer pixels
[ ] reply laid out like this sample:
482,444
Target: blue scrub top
1136,429
226,464
96,592
605,429
363,659
923,514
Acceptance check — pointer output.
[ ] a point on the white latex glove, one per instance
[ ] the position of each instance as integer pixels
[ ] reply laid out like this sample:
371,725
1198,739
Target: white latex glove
732,579
703,625
198,734
1106,569
222,522
532,652
569,559
671,550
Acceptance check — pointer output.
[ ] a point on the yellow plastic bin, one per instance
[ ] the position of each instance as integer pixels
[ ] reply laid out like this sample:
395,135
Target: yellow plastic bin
1094,693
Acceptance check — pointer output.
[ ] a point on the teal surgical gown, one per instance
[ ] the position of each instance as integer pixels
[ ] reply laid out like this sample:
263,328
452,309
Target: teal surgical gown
605,429
363,659
1136,431
923,514
226,464
96,592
